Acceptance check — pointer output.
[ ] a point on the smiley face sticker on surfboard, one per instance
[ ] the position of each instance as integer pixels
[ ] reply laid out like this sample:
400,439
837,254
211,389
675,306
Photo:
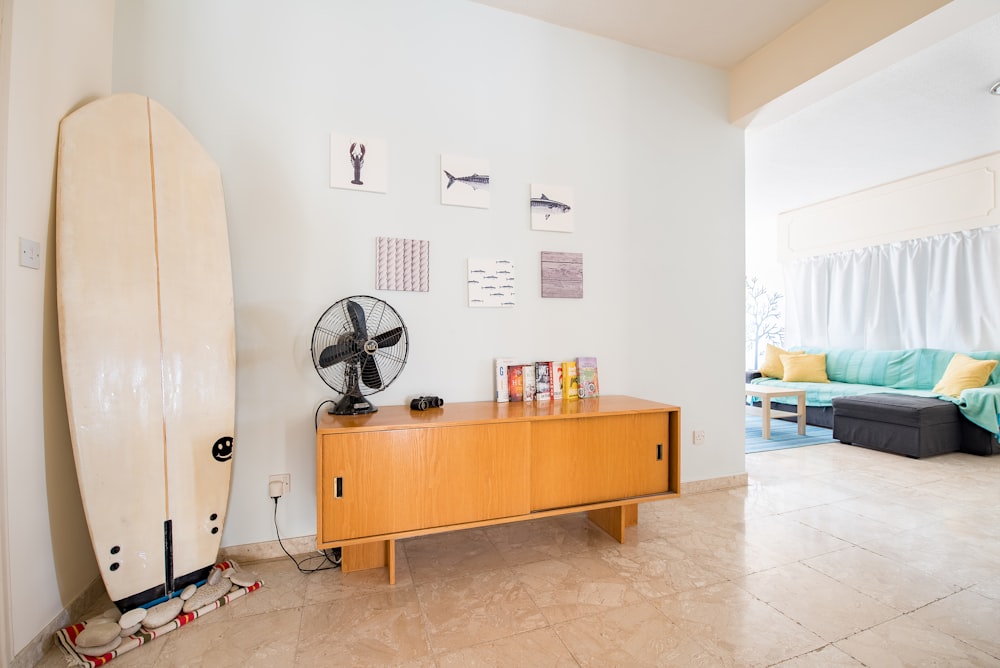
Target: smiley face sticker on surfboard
146,329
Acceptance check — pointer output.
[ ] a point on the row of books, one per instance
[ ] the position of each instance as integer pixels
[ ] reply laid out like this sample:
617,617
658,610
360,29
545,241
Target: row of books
545,381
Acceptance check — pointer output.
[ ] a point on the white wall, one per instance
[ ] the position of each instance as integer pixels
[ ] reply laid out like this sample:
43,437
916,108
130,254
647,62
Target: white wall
60,57
643,139
928,111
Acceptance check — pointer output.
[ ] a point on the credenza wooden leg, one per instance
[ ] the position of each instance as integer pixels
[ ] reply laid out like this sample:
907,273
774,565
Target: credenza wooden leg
611,520
631,514
370,555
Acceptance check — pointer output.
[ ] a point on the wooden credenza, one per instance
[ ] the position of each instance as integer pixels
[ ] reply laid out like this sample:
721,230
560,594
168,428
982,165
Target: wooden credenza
399,473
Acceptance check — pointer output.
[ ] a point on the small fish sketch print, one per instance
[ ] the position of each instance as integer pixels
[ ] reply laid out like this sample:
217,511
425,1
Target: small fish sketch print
486,289
358,163
551,208
465,181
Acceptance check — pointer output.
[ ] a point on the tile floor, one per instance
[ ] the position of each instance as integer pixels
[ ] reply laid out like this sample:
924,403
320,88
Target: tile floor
832,556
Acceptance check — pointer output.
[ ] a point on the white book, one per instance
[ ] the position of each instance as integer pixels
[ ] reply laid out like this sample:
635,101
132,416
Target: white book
500,390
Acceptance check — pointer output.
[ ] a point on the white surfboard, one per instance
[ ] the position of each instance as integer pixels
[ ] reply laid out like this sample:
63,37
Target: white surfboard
146,328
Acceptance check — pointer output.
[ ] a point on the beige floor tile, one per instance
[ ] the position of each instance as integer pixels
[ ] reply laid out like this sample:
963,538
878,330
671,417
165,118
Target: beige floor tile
893,583
988,588
922,499
844,524
888,509
260,640
968,616
856,482
372,630
451,555
905,471
965,489
331,586
335,585
284,588
657,569
816,490
736,627
539,540
793,540
826,607
951,556
466,611
637,635
906,642
575,586
539,649
826,657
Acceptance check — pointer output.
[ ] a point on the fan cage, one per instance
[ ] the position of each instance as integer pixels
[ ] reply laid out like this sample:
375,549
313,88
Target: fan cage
335,330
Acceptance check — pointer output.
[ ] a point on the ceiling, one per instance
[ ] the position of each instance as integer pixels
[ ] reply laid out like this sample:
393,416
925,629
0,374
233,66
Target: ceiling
720,33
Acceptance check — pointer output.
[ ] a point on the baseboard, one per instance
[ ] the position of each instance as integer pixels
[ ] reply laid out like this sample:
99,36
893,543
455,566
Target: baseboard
713,484
268,550
33,652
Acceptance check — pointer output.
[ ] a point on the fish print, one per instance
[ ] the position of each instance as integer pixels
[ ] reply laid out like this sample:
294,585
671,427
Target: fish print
475,181
547,206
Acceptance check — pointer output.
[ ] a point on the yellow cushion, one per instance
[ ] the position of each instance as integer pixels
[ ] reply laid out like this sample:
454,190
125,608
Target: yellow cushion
772,367
964,373
804,368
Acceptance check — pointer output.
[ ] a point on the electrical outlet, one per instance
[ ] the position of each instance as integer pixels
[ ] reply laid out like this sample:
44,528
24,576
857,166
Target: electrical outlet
698,436
31,254
283,479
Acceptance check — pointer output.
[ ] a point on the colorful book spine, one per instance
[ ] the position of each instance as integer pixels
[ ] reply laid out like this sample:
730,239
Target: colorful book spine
571,381
557,381
515,382
528,381
543,381
586,367
501,391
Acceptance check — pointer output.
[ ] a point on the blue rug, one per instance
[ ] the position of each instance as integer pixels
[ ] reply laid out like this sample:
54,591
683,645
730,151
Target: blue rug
783,435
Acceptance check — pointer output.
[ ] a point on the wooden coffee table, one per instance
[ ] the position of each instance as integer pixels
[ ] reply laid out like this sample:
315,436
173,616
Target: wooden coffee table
766,393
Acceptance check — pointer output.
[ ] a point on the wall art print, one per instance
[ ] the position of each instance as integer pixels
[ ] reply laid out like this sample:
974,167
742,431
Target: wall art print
551,208
492,283
402,264
562,275
465,181
359,163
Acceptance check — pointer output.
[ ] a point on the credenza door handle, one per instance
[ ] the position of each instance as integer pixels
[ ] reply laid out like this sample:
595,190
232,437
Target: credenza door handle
659,452
338,487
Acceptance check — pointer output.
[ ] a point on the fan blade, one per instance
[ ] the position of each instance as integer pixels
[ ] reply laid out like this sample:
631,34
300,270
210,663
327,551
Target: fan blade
338,352
369,373
357,315
388,338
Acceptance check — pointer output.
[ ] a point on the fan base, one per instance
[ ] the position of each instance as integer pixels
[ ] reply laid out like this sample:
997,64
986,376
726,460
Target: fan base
353,404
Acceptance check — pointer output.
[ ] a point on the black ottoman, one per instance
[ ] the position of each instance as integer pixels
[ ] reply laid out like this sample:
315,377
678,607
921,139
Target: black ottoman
899,423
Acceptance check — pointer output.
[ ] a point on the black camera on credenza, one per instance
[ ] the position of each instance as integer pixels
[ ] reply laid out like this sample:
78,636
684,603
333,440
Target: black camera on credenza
425,403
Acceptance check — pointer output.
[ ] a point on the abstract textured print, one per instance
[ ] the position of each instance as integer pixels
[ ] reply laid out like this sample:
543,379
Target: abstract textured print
403,264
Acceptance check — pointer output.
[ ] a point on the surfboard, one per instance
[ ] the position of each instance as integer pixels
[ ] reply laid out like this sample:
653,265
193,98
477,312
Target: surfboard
146,329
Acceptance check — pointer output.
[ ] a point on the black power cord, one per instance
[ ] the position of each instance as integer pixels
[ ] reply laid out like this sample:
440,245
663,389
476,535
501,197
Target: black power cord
332,556
321,404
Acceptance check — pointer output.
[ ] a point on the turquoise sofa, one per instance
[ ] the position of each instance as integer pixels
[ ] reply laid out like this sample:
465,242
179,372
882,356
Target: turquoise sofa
915,371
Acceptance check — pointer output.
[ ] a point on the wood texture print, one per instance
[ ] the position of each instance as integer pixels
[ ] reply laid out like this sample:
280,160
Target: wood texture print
403,264
562,275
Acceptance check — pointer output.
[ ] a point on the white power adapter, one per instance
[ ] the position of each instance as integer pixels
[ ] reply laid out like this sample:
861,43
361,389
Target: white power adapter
275,489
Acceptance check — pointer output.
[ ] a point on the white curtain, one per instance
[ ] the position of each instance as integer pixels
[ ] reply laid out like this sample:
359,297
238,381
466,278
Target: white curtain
935,292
